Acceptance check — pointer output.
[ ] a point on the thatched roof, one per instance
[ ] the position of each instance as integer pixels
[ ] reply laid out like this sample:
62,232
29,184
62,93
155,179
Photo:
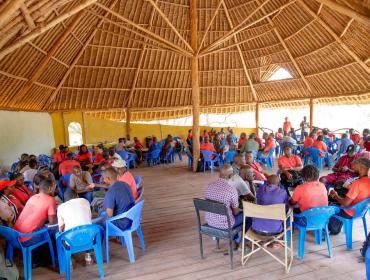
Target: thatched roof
106,56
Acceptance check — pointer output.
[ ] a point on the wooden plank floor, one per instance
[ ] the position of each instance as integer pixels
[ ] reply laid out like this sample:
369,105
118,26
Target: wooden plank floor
172,245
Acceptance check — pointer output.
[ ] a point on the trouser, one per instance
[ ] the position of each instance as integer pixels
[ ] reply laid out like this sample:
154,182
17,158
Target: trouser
335,225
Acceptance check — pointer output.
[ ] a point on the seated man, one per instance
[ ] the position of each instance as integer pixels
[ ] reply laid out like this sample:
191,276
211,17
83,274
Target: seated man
258,172
125,176
68,219
251,145
221,191
342,169
81,185
311,193
66,166
358,191
43,173
206,146
269,145
269,194
309,141
290,165
344,143
354,136
39,209
118,199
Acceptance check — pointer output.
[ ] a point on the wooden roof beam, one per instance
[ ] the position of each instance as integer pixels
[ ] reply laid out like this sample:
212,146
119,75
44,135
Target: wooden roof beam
75,60
210,24
346,28
345,10
41,67
242,60
140,62
27,16
146,31
240,27
165,18
8,9
42,29
336,37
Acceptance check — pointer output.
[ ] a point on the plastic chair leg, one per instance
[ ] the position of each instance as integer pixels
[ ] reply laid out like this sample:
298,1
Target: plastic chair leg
348,231
367,263
25,263
99,259
365,225
318,236
301,243
130,247
327,237
201,245
51,248
29,264
141,238
67,261
107,246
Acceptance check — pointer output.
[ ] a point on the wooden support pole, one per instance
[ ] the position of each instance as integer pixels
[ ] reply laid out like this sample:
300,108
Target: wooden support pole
195,82
311,112
84,130
128,123
8,9
65,130
257,118
42,29
41,67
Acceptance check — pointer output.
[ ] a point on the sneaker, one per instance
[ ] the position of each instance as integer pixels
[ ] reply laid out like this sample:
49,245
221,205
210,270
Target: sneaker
88,259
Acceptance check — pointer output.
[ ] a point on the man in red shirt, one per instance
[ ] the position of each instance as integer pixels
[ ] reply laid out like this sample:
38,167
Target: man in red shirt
286,126
66,166
358,191
60,156
308,142
206,146
355,137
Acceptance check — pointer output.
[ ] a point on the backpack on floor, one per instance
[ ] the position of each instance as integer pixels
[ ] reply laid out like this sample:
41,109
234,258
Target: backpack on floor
8,271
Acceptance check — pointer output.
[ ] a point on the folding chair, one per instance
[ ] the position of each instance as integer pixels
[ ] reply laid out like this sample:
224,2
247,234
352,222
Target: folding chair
285,238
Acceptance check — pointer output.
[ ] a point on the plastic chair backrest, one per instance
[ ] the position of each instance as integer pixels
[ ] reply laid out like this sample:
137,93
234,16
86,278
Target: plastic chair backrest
91,150
210,206
318,217
272,212
134,214
65,179
11,236
137,181
156,153
80,238
314,152
123,154
140,195
207,155
229,156
361,208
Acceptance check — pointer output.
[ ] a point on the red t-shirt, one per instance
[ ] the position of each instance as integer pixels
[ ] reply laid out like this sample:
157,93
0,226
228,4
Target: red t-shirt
320,145
66,167
99,158
289,162
130,180
84,157
242,141
356,138
22,194
308,142
207,147
359,190
287,126
59,157
310,195
18,204
35,213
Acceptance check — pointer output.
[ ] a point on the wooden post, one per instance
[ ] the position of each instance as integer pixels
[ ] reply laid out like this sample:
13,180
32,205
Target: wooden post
257,117
128,123
65,130
195,82
311,112
84,131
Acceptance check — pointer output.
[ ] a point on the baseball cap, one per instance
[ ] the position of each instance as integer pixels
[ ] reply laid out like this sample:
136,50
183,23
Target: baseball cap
119,163
6,183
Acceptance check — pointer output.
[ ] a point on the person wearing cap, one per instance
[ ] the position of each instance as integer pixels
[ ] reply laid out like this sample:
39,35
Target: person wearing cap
7,193
43,173
80,185
125,176
21,191
66,166
342,169
8,209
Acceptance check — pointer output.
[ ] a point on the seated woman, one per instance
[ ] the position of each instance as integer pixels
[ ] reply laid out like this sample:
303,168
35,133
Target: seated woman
6,194
289,166
81,185
21,191
309,141
168,144
99,154
269,145
320,144
138,147
342,169
29,174
43,173
84,156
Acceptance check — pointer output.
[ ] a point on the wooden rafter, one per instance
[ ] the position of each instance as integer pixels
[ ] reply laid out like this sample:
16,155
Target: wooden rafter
128,103
8,9
146,31
210,24
242,60
75,60
27,16
41,67
42,29
165,18
345,10
346,28
336,37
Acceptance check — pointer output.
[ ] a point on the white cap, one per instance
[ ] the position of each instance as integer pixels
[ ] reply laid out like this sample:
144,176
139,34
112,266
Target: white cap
119,163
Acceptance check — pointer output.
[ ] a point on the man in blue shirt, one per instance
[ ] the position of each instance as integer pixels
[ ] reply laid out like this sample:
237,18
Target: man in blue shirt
118,199
344,143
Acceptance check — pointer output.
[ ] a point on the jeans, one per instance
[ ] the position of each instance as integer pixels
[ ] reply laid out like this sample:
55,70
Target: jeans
52,230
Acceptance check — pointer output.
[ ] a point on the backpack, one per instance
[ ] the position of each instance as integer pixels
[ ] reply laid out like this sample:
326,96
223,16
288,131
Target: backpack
8,271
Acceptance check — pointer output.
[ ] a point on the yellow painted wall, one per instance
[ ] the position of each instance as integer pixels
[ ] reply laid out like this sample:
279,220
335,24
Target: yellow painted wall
98,130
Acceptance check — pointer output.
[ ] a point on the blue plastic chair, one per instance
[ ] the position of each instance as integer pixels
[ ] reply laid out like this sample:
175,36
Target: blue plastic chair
277,149
314,156
29,185
131,157
134,214
63,185
140,193
168,157
314,219
268,160
12,242
229,156
76,240
190,158
361,210
153,158
137,181
367,263
208,161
